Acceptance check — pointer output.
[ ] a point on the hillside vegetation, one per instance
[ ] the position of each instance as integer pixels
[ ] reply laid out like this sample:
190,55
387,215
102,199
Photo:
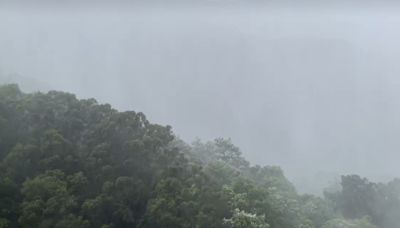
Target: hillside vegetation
66,162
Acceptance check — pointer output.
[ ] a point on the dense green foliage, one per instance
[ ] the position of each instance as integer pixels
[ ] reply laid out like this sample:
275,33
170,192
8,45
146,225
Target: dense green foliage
75,163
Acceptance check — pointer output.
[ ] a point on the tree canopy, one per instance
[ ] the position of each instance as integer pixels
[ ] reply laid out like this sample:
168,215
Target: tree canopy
66,162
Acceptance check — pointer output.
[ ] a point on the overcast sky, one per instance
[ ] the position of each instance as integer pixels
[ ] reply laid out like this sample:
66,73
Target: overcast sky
311,88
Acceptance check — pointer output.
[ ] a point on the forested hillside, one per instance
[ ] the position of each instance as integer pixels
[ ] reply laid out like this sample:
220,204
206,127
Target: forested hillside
76,163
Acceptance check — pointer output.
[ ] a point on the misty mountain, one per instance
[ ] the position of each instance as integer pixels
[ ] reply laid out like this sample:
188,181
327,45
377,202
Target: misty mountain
308,86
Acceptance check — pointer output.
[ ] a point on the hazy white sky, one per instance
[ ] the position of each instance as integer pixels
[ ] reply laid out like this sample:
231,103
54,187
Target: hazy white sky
292,85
